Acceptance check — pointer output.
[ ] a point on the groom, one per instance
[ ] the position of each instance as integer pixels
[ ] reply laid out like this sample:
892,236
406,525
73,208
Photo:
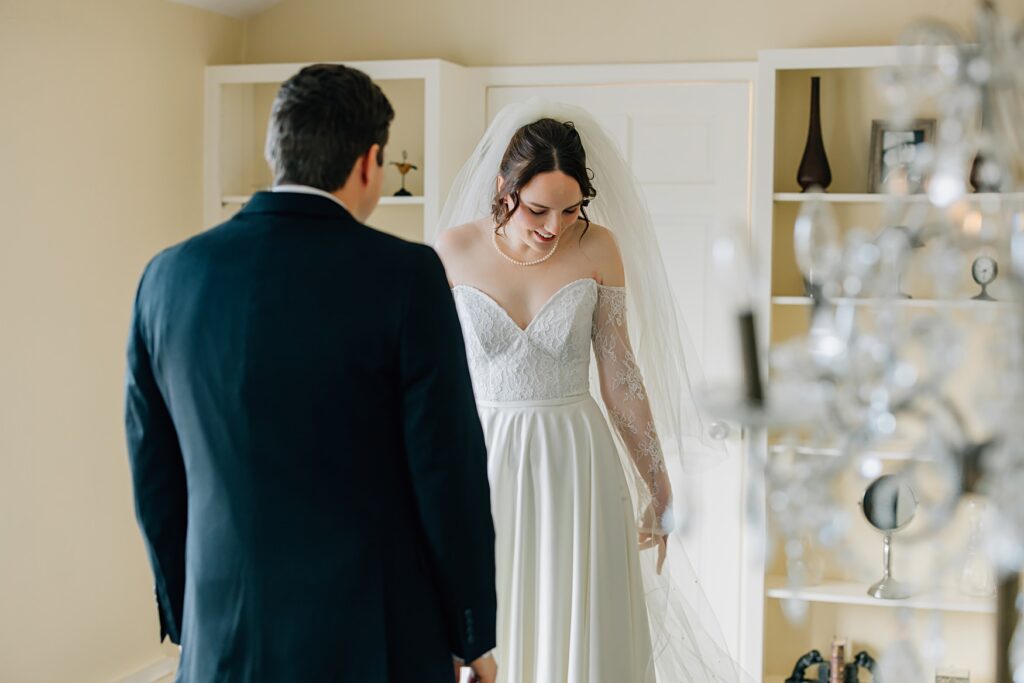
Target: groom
308,467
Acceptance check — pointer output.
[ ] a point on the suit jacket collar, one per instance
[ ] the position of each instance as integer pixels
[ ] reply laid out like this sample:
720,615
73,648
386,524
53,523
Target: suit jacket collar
295,203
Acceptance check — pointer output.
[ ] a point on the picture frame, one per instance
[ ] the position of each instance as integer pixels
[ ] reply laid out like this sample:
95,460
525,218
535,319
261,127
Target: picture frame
894,147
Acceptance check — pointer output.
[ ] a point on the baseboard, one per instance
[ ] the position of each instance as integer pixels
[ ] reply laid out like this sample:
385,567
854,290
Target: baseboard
157,671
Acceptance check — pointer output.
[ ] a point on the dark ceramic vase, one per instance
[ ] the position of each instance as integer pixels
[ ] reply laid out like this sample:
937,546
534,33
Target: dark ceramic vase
814,170
986,175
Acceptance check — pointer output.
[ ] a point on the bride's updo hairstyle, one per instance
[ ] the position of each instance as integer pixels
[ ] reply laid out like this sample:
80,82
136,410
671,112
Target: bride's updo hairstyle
541,147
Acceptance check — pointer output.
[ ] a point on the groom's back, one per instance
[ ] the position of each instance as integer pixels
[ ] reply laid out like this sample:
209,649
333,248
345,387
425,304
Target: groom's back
308,466
275,338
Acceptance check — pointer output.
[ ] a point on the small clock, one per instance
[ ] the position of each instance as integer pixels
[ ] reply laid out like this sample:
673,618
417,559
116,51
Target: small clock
984,270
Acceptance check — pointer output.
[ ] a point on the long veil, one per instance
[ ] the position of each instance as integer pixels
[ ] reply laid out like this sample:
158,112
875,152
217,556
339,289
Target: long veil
688,645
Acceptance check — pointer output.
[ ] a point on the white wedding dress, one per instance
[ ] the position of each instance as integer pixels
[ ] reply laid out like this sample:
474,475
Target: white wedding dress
571,604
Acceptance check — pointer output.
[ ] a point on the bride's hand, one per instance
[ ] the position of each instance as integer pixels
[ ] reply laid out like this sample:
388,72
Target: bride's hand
653,536
655,540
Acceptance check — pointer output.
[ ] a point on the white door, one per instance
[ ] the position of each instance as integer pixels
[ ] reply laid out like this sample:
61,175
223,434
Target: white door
689,145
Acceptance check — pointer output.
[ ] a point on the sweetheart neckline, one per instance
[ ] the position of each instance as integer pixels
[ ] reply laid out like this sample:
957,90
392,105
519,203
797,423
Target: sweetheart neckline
540,311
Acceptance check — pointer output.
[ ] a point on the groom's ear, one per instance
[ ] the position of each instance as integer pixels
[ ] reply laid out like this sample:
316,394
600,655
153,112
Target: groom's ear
371,162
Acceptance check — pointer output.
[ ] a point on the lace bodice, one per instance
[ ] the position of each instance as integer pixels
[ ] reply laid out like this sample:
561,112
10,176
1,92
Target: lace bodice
550,359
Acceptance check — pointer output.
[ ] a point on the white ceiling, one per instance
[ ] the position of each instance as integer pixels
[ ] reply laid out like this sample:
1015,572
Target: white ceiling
232,8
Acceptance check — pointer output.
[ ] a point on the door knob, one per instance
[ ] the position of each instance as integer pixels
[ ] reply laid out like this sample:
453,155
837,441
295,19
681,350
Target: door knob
719,430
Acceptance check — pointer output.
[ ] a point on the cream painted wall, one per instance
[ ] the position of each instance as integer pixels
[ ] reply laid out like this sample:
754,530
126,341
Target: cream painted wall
100,166
491,32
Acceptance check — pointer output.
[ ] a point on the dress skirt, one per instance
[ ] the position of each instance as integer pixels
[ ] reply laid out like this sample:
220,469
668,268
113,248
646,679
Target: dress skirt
570,595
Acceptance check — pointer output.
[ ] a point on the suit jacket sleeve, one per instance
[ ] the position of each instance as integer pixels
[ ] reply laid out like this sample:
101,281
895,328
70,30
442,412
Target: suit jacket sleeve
158,478
448,459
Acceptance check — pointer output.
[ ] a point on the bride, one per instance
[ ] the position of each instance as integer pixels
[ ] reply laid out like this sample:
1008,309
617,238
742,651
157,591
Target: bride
582,517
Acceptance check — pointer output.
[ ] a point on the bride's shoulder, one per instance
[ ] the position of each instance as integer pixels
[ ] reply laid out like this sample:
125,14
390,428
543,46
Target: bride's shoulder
601,248
460,239
601,238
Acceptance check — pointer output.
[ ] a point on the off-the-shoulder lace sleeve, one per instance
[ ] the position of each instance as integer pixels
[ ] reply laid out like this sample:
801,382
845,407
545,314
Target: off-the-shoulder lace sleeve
622,388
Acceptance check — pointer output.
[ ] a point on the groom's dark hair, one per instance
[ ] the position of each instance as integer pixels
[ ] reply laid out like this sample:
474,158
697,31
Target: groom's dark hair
323,119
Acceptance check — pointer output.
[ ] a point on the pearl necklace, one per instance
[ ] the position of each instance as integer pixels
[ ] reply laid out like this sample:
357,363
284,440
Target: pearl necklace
542,259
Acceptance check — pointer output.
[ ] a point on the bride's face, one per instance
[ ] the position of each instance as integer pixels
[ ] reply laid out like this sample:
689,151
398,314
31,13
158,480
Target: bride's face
548,205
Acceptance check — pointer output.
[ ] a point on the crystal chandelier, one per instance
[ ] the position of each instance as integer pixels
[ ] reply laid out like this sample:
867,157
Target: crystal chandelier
939,380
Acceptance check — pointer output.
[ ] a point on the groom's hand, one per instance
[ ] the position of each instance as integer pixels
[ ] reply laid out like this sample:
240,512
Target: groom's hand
485,669
482,670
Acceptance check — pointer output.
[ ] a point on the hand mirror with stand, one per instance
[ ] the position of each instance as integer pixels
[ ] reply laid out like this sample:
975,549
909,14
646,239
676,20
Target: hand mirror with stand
889,505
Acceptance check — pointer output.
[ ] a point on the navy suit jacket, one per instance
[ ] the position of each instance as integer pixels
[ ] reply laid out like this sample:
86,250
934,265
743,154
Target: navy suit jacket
308,465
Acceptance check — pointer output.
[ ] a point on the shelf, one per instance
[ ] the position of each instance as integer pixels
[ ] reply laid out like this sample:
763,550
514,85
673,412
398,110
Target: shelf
877,198
401,201
850,593
892,456
902,303
792,301
839,198
241,199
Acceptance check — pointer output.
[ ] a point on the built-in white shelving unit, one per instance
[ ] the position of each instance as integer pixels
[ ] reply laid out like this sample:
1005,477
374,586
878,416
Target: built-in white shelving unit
839,604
